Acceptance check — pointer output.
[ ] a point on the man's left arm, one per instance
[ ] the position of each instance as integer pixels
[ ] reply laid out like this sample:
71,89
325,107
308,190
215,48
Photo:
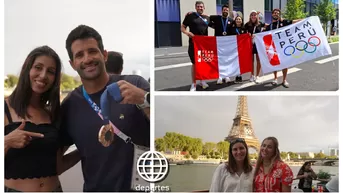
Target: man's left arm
136,93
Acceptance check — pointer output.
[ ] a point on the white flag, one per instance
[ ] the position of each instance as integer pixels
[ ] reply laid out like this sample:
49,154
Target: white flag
288,46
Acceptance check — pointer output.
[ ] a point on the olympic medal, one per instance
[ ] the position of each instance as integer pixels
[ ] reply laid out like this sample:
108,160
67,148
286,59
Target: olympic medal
106,135
224,33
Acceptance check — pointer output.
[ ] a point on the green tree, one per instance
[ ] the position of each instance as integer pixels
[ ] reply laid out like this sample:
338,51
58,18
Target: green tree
212,154
68,82
283,155
195,146
293,155
223,148
11,81
295,10
195,156
319,156
208,147
171,141
160,145
6,85
187,156
332,157
326,11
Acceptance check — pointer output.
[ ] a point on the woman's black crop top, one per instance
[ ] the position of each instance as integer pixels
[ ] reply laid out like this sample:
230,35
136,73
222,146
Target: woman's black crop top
38,158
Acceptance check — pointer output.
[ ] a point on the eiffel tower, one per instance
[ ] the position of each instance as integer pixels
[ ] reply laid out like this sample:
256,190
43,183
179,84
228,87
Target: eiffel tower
242,126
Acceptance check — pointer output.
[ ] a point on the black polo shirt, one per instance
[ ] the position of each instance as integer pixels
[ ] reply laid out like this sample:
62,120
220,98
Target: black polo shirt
105,168
198,25
278,24
251,27
237,30
217,21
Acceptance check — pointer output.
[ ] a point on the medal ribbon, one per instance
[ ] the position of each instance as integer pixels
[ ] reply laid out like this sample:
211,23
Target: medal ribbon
225,25
201,18
237,31
95,107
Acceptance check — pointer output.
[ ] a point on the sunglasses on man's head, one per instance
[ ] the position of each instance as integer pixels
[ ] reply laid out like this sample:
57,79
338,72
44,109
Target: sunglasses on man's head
237,140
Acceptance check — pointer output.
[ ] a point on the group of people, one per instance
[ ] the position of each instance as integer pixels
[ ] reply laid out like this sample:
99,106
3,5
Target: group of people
270,174
223,25
39,129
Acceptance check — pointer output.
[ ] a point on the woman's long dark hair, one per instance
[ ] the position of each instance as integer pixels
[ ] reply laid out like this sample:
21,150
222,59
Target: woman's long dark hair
232,165
19,100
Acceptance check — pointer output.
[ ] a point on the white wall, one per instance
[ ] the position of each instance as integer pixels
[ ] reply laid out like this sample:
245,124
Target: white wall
249,5
189,5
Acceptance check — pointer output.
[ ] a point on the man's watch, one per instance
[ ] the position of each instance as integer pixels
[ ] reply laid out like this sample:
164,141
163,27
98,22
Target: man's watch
146,103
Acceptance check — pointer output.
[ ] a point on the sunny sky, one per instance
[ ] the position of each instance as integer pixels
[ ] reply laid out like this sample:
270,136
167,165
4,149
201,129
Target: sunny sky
300,123
29,24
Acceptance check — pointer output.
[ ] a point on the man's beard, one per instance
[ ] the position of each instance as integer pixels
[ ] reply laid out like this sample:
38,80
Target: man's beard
92,76
276,18
225,14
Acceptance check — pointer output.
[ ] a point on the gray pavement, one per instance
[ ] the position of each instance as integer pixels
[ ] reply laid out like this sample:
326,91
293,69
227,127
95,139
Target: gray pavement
173,69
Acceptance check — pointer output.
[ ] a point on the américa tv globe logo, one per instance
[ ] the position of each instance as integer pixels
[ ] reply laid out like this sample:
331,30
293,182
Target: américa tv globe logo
152,166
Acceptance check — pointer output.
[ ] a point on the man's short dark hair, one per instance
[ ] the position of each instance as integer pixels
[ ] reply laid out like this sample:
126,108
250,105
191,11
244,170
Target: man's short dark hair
114,64
82,32
226,5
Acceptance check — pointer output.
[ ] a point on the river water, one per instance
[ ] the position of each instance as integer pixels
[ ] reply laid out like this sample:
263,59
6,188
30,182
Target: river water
184,178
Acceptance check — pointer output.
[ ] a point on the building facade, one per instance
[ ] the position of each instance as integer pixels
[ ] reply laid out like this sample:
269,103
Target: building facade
306,154
169,15
333,152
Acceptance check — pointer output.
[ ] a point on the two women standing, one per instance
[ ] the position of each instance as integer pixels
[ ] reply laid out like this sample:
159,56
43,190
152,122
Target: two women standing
237,175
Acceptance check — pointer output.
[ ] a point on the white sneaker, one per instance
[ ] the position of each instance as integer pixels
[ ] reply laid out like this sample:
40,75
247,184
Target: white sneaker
204,85
257,80
274,82
193,87
285,84
227,79
252,78
219,81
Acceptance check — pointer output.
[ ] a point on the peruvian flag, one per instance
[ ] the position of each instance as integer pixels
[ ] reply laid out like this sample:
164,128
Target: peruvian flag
222,56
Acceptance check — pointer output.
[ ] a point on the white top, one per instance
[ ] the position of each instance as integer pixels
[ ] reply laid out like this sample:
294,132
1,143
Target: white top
223,181
332,185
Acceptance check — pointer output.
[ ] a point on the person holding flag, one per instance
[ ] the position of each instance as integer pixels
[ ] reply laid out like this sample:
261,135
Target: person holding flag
198,25
253,26
237,29
278,22
222,25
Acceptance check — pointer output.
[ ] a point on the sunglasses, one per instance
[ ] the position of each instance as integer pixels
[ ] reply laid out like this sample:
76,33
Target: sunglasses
237,140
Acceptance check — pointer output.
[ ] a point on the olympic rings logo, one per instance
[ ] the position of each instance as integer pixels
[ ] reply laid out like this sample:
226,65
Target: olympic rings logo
205,55
207,59
308,47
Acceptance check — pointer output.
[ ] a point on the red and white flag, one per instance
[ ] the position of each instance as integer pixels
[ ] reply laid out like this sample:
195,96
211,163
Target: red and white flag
222,56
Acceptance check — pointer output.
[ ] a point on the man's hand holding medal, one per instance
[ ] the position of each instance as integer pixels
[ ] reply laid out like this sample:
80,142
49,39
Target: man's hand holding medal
124,93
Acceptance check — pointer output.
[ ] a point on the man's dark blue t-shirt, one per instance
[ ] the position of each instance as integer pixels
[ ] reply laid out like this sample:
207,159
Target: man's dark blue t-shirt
105,168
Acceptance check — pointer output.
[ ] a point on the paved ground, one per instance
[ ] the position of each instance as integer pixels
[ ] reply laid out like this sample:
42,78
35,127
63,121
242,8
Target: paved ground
173,69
